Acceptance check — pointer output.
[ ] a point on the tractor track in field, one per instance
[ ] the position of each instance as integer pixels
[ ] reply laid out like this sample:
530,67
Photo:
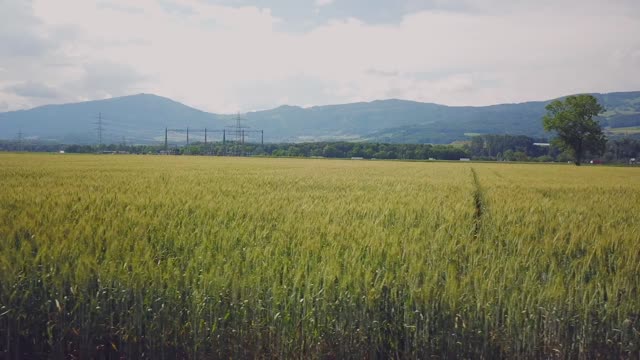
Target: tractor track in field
478,200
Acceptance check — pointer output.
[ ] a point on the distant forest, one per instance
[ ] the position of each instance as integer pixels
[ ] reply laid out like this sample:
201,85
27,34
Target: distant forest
481,147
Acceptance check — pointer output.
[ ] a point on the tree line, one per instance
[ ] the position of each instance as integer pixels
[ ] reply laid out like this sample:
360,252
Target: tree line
315,149
488,147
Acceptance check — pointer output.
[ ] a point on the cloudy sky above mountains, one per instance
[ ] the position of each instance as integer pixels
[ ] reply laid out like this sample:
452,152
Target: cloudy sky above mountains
240,55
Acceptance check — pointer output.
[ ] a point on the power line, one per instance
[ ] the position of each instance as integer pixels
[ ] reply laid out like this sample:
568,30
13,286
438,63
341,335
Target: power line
234,136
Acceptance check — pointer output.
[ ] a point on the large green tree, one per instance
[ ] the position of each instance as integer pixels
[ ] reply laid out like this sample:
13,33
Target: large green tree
574,123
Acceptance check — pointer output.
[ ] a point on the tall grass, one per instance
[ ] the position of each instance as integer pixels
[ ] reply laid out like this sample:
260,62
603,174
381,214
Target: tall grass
166,257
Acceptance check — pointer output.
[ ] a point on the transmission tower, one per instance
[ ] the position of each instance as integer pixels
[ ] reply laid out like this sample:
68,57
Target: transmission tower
237,132
20,136
99,128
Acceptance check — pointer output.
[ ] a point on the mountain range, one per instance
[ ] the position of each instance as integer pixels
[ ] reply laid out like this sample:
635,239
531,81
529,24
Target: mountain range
143,118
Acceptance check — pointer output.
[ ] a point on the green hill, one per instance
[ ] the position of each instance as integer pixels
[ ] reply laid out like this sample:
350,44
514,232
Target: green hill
142,119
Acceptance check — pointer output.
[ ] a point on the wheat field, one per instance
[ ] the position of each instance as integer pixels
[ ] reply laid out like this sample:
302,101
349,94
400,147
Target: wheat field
201,257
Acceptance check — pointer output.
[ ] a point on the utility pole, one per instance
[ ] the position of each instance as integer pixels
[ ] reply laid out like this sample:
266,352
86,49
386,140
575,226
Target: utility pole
205,136
187,136
262,137
166,138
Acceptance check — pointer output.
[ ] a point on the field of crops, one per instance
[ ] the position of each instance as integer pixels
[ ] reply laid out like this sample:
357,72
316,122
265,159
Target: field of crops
200,257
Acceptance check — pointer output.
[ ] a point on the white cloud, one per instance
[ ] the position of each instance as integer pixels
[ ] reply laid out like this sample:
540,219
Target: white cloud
33,90
323,2
224,59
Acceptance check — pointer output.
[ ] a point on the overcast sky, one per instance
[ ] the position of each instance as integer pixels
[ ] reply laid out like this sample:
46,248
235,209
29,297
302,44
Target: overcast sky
239,55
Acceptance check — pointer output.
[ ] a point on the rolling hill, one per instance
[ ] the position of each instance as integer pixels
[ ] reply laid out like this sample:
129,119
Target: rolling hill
142,118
